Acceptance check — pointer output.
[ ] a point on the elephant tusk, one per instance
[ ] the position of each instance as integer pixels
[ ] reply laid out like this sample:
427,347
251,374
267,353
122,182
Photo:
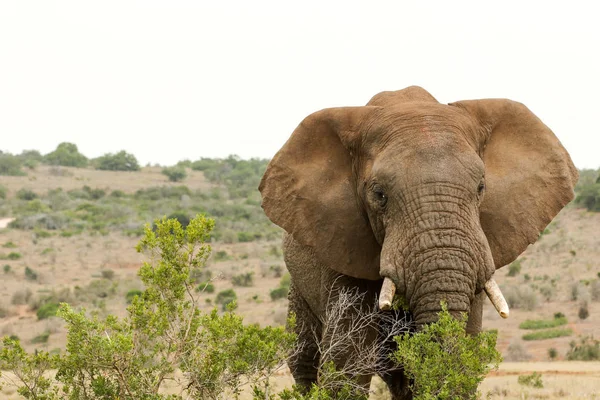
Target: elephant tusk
493,291
386,296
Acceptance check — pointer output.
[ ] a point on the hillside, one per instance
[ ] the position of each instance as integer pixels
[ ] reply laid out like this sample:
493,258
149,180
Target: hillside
75,229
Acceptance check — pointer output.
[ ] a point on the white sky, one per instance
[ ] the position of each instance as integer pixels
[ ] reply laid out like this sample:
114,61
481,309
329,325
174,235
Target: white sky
168,80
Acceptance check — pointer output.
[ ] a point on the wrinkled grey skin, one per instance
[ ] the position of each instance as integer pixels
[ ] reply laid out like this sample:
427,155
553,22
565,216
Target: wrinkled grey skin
414,197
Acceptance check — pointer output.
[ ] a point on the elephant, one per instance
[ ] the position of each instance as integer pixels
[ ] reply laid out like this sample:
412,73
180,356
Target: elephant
410,196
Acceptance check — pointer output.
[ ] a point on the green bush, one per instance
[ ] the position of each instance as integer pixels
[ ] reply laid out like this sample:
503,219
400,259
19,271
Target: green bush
66,155
26,194
548,334
244,280
43,338
121,161
131,294
175,174
7,269
3,192
47,310
30,274
514,268
10,165
552,353
207,287
583,312
543,323
588,349
279,293
533,380
443,361
9,245
13,255
226,297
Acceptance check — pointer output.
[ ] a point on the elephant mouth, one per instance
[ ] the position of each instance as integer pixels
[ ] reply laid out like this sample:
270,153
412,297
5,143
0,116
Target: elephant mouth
388,291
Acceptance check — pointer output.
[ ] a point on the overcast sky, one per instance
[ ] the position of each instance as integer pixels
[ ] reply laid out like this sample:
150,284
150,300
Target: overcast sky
169,80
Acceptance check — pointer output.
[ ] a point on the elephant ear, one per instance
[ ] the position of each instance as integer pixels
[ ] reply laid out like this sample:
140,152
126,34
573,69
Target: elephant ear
528,173
309,190
409,94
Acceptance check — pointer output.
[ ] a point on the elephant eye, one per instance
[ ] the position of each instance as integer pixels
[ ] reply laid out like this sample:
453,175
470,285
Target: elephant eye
380,196
481,188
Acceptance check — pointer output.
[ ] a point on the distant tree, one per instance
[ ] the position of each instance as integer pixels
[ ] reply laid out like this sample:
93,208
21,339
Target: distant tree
66,155
121,161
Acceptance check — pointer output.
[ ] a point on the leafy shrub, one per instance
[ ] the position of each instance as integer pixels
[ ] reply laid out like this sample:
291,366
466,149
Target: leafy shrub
583,312
589,197
10,165
30,274
13,255
66,155
225,297
533,380
26,194
121,161
548,334
108,274
6,268
444,361
175,174
543,323
514,268
244,280
9,245
595,290
43,338
221,256
552,353
181,217
207,287
588,349
47,310
283,289
131,294
279,293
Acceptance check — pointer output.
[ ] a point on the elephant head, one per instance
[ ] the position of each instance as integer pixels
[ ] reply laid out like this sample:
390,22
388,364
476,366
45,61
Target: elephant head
432,197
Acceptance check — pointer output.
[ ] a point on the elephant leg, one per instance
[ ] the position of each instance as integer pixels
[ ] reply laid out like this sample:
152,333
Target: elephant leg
304,361
398,384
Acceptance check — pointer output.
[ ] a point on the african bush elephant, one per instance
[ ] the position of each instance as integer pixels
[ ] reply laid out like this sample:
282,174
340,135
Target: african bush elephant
422,198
